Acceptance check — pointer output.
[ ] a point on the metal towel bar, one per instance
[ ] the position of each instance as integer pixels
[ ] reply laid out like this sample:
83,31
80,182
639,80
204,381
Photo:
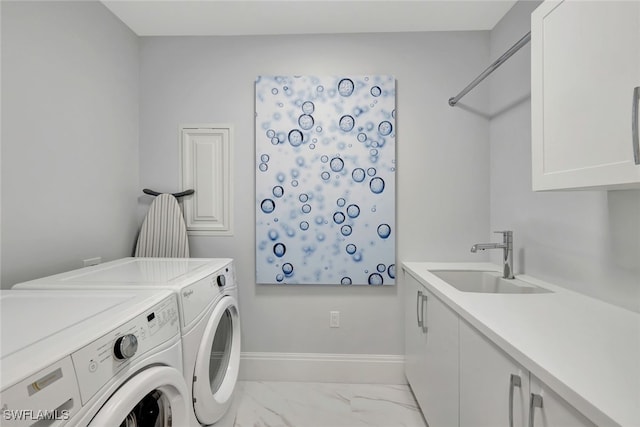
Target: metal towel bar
498,62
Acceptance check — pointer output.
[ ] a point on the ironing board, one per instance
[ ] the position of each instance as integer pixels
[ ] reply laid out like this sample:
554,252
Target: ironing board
163,233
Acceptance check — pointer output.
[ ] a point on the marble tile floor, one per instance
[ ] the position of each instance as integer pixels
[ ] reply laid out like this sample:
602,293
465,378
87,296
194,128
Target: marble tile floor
298,404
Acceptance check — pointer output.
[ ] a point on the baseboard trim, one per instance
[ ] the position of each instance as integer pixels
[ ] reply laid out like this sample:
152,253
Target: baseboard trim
320,367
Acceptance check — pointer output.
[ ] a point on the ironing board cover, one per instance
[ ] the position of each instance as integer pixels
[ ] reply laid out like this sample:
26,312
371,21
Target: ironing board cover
163,233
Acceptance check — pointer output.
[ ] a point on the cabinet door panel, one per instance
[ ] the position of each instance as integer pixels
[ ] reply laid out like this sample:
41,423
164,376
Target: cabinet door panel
415,339
555,410
485,373
585,66
431,354
441,363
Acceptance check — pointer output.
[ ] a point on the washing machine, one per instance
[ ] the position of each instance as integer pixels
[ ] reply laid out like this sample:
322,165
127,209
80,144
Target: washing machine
209,320
91,358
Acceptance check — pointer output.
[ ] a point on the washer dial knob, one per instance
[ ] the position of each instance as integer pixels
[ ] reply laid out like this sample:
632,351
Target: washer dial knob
125,347
221,280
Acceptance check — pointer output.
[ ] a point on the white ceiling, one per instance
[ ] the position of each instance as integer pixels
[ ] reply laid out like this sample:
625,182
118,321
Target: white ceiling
260,17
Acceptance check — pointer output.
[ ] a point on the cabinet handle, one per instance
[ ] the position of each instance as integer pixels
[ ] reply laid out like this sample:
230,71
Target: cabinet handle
634,125
534,402
418,299
425,328
515,381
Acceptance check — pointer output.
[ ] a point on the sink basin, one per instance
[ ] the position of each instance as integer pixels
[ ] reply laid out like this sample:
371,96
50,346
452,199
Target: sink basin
490,282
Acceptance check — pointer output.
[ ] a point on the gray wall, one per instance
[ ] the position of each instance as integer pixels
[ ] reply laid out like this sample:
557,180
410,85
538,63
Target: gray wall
588,241
442,165
69,137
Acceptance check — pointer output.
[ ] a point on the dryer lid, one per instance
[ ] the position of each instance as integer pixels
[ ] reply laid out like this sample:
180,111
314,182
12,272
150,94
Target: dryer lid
30,317
40,327
140,272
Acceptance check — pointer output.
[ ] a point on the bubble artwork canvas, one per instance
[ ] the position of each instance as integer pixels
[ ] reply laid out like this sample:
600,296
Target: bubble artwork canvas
325,180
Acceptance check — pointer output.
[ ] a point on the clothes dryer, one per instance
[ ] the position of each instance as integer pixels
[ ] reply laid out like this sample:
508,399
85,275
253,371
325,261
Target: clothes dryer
209,319
91,358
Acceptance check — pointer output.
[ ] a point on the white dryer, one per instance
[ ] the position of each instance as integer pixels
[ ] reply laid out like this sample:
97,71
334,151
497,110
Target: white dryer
209,320
91,358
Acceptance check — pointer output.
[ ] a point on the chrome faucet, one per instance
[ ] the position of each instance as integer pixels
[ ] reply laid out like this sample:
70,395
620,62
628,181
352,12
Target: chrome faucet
506,246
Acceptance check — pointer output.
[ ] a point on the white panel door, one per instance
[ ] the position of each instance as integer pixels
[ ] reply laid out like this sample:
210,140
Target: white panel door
206,168
585,68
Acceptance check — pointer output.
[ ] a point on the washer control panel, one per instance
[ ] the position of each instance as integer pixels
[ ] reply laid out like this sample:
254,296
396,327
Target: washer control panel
97,363
195,298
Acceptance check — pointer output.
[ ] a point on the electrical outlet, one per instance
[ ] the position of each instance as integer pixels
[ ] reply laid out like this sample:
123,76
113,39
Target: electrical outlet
92,261
334,319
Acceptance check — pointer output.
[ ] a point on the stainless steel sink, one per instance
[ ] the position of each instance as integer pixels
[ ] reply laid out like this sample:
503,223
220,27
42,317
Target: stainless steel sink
490,282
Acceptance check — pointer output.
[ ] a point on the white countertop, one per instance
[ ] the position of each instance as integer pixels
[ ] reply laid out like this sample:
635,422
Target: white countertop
586,350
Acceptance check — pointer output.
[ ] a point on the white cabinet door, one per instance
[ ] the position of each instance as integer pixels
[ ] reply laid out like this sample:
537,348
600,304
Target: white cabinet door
493,387
585,58
441,408
415,342
555,411
206,163
432,358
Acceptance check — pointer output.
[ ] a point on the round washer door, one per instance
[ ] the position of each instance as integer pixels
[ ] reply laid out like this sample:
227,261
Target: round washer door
217,362
160,392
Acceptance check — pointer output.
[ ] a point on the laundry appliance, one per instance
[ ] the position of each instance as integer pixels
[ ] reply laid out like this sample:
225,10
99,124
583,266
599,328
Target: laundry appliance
91,358
209,319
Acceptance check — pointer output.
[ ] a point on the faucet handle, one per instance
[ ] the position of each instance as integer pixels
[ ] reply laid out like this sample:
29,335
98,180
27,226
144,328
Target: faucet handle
507,235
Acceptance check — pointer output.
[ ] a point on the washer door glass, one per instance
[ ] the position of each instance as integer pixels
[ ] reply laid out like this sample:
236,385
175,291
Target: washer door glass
217,362
154,397
220,351
153,410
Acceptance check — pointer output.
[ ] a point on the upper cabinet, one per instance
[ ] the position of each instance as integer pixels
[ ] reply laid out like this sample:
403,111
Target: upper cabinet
585,84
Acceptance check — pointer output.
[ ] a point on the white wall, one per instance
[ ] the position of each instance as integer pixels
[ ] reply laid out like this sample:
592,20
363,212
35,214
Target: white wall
588,241
442,160
69,137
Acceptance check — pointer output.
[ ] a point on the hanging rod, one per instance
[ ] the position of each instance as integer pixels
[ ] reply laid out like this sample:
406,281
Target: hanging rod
513,49
176,195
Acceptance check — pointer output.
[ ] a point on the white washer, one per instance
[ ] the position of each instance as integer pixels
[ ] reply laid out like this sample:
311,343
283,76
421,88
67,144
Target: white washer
91,358
209,319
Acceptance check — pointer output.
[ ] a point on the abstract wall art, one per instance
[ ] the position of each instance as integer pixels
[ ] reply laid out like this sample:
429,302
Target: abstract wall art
325,180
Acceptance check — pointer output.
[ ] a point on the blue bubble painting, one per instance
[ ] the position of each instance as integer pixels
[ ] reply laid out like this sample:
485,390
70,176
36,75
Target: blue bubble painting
325,180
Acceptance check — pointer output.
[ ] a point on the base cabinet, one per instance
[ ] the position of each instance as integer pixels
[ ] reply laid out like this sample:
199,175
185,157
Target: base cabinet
431,354
493,387
460,378
496,391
